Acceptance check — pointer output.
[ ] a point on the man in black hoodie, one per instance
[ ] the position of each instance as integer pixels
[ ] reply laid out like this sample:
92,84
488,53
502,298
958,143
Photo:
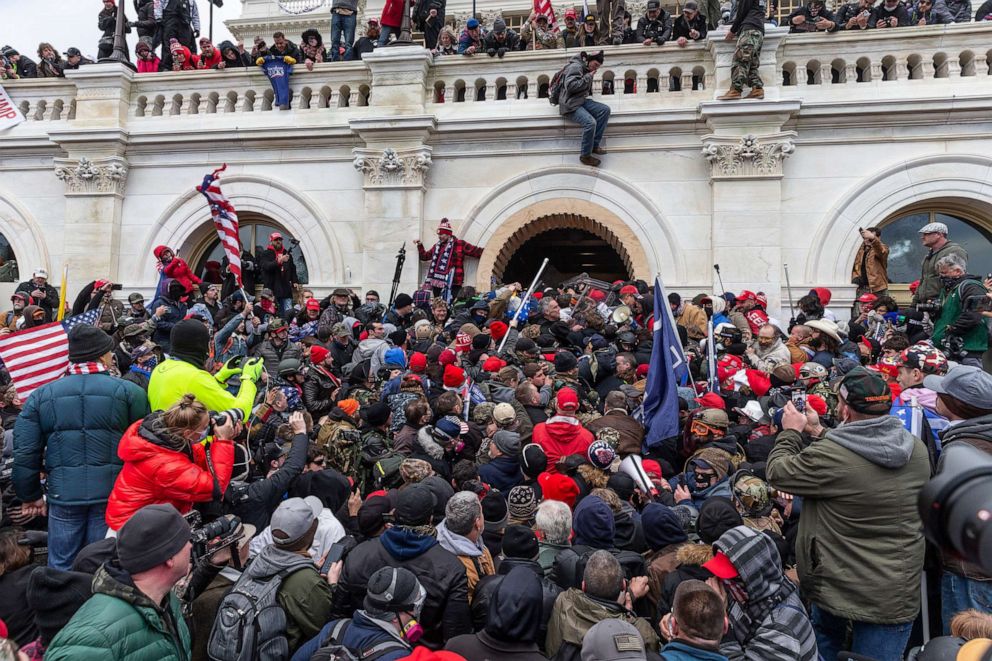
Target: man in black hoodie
749,30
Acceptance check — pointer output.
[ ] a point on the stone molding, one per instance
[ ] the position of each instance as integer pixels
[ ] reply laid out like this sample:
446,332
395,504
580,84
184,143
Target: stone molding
748,156
391,168
86,177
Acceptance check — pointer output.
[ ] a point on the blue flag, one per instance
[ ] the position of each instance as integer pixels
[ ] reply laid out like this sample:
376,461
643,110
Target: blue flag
667,369
278,72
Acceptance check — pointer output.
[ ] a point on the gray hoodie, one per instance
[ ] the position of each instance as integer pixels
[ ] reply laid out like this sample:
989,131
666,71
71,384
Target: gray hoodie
883,440
457,544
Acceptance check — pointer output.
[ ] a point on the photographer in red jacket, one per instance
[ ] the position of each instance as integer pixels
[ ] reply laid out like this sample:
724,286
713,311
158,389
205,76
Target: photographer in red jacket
166,461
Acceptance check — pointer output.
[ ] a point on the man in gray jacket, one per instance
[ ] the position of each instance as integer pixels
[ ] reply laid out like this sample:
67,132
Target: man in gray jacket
575,104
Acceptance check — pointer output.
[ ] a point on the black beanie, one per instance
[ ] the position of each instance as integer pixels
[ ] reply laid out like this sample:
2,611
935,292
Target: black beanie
398,337
392,590
402,300
88,343
520,542
377,414
622,485
481,342
565,361
152,535
190,342
55,596
370,515
533,460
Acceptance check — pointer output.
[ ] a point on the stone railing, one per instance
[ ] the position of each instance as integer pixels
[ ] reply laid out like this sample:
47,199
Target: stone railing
629,71
43,99
242,91
818,64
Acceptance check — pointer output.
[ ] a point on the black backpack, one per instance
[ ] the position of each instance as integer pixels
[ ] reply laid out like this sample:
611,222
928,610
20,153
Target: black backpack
556,86
331,649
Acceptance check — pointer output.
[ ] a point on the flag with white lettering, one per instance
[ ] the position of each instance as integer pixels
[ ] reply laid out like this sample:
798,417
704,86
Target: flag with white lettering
10,116
668,367
225,220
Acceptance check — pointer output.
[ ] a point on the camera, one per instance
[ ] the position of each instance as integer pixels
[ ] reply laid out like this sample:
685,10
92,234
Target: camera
219,419
930,307
211,537
956,505
953,347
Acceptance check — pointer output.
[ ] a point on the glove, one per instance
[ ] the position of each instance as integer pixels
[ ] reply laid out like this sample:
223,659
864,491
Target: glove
252,370
227,371
196,34
491,52
501,52
617,41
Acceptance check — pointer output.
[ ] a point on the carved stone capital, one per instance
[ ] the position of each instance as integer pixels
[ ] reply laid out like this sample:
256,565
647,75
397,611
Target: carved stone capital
748,156
86,177
390,168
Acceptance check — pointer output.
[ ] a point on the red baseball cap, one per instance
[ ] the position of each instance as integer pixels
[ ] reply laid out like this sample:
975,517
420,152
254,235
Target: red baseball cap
642,370
867,298
721,566
493,364
597,295
628,289
274,236
568,400
569,13
312,304
652,468
747,295
711,400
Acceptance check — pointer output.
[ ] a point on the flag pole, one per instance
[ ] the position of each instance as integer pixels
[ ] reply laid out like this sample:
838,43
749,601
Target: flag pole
64,292
530,291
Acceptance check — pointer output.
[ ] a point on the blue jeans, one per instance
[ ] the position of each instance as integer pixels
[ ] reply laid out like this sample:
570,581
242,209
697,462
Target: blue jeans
342,26
592,116
384,35
882,642
958,593
70,528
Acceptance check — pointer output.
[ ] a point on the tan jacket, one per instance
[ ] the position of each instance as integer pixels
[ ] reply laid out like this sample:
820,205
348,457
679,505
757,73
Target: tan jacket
694,320
877,265
476,568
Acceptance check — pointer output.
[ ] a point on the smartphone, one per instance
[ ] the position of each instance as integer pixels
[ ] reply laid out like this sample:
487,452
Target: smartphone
333,555
799,399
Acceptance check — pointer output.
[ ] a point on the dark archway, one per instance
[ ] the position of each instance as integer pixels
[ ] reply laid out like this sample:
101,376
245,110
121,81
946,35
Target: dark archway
573,244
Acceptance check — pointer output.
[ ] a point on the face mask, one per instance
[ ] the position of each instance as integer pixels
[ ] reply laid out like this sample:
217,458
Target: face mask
150,363
949,281
412,631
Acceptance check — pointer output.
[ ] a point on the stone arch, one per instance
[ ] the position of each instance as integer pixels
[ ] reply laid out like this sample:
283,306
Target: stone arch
186,222
965,177
620,209
23,233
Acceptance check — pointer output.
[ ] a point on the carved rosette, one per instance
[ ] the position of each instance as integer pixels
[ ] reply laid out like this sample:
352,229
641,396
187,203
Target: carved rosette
749,156
86,177
390,168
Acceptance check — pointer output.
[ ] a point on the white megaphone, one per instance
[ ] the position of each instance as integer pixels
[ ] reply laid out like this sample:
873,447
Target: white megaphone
631,465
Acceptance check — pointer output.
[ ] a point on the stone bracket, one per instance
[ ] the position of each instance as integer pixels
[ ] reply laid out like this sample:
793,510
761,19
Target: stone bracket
748,156
390,168
85,177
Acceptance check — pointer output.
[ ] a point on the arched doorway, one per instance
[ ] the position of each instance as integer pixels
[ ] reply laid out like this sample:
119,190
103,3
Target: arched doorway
572,243
967,224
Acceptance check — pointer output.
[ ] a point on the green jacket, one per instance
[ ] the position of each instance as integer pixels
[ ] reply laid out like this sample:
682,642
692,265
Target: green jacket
174,378
119,623
930,286
860,544
956,319
575,612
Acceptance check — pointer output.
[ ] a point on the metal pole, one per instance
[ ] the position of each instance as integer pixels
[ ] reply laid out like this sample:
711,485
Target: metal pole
788,290
530,290
400,260
405,37
211,28
119,53
719,277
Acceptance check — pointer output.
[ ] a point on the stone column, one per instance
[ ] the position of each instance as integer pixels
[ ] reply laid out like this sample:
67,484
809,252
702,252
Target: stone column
94,172
723,55
394,164
746,150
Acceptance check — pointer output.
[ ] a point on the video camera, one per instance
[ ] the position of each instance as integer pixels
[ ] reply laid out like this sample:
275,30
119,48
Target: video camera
932,308
209,538
955,505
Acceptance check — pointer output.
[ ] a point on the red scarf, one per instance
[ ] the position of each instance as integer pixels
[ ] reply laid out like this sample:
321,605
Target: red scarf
277,252
86,368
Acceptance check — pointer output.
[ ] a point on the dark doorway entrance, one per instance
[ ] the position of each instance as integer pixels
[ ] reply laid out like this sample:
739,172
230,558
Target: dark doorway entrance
571,251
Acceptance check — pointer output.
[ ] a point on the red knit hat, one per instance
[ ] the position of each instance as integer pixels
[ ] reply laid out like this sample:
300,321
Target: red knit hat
642,370
159,250
759,382
493,364
318,354
652,468
817,403
463,342
498,329
447,357
568,400
418,362
728,366
445,227
555,486
454,377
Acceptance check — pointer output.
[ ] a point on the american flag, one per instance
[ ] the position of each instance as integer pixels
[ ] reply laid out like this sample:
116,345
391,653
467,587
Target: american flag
225,220
544,7
36,356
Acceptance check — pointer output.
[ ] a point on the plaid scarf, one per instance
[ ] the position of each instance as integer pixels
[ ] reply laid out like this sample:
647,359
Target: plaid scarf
85,368
437,274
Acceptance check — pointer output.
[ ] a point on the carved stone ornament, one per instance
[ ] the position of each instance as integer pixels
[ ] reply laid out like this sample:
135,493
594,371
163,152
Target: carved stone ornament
392,169
749,156
86,177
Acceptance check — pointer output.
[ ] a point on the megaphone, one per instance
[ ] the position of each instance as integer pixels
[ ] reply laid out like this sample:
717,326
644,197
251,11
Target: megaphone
632,466
621,315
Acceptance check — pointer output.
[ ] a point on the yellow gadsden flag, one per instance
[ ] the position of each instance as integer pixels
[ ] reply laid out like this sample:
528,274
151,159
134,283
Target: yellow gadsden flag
63,292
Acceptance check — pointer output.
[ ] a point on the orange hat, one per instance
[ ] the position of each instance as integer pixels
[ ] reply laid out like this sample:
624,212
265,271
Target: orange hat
349,406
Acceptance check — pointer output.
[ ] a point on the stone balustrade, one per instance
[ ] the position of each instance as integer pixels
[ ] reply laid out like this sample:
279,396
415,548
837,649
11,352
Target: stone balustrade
811,67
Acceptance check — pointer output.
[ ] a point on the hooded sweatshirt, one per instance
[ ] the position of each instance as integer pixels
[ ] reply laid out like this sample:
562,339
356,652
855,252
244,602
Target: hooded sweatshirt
593,524
474,555
860,545
576,612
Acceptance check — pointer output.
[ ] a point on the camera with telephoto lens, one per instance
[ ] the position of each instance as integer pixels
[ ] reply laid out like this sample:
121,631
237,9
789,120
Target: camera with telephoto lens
223,417
211,537
932,308
956,505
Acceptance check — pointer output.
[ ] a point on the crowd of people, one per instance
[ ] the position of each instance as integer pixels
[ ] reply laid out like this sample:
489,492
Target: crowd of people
463,474
169,36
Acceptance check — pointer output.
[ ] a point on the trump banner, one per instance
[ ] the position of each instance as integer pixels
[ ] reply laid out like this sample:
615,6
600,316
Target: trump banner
10,116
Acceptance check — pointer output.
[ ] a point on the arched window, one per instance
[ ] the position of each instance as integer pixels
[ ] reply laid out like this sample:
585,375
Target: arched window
8,262
254,234
906,253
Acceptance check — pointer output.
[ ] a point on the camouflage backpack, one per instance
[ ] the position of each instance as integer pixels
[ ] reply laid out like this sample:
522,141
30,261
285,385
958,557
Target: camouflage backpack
342,446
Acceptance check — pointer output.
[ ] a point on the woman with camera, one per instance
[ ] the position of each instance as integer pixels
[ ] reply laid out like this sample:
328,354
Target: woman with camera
169,458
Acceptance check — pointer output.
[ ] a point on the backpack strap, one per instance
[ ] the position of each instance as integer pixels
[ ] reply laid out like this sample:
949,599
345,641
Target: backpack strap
381,649
336,633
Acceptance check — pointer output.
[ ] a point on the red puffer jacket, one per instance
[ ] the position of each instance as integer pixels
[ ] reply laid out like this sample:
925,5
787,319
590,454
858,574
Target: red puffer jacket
154,474
561,436
179,270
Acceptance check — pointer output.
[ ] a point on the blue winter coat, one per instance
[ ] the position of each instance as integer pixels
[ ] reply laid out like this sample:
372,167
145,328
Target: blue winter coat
361,634
74,424
502,473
